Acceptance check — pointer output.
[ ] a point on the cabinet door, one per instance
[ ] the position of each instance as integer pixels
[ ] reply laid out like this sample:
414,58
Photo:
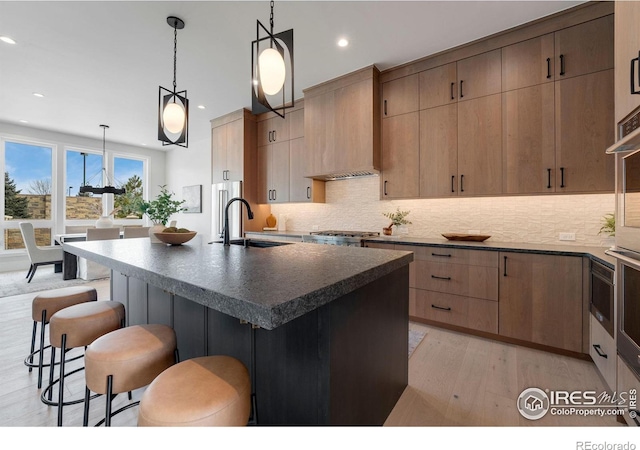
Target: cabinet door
439,151
296,124
400,96
584,129
274,129
541,299
218,153
400,156
528,63
319,131
235,150
627,46
353,126
263,188
480,146
529,147
299,186
438,86
584,48
480,75
278,172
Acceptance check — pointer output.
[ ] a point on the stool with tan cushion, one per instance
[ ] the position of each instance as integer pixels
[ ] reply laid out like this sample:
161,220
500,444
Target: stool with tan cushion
125,360
206,391
78,326
45,305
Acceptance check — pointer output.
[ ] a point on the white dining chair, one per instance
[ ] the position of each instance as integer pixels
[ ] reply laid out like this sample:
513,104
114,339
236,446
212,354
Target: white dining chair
136,232
38,255
90,270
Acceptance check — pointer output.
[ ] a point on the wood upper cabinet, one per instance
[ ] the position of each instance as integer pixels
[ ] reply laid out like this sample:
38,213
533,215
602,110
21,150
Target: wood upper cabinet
438,86
584,118
627,46
479,75
528,63
439,151
584,48
541,299
342,124
480,146
227,151
400,156
529,148
274,129
400,96
273,173
296,123
301,188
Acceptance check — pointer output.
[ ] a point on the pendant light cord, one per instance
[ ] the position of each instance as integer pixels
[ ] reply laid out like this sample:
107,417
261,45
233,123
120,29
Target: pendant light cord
175,56
271,16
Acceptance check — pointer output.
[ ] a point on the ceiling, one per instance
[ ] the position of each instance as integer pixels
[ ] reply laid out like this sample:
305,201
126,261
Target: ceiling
102,62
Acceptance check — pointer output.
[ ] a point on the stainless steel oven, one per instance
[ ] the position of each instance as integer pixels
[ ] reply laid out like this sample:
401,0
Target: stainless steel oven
602,296
628,201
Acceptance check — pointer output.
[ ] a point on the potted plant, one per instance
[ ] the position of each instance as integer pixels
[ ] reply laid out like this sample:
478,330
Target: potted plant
160,211
609,228
398,218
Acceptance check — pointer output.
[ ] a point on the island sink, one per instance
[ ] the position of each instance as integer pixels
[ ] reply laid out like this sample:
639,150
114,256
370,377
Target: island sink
254,243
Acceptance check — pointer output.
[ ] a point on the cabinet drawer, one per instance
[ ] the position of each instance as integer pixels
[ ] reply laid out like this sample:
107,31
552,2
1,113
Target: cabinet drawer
602,350
459,279
453,255
456,310
382,245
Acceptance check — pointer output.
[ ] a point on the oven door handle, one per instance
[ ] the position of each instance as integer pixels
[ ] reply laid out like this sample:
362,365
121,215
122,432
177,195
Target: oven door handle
631,261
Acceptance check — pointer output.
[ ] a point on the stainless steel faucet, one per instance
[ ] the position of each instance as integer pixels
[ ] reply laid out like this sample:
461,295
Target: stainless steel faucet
226,239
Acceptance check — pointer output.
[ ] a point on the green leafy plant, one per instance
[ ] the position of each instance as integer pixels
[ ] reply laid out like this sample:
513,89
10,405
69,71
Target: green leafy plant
608,225
162,208
398,218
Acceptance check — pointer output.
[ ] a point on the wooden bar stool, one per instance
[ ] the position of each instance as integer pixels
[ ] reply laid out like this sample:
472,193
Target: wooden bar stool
206,391
78,326
45,305
125,360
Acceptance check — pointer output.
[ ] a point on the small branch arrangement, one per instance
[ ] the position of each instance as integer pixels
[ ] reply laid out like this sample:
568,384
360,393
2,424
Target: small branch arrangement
609,225
162,208
397,218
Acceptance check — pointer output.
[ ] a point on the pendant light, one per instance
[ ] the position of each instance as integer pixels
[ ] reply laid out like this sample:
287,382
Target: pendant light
173,107
271,69
107,189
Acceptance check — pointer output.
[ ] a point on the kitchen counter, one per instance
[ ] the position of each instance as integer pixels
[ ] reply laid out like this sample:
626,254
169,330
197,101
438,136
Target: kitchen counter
305,319
594,253
264,286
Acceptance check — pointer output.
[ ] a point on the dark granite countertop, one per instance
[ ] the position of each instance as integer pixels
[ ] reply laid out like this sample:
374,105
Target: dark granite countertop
594,253
265,286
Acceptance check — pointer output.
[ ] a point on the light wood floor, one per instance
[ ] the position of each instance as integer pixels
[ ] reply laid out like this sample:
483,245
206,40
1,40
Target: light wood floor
454,379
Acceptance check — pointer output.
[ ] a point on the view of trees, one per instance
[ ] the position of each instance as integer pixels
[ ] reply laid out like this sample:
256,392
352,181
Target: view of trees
128,204
40,187
14,206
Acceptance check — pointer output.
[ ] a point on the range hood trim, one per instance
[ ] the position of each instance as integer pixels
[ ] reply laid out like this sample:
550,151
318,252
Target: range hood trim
347,175
628,143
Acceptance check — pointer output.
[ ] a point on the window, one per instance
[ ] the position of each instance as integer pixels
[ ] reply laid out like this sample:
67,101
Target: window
28,191
83,168
128,173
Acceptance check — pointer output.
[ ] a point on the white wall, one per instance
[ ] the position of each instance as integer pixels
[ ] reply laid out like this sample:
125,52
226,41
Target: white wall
156,169
355,205
188,167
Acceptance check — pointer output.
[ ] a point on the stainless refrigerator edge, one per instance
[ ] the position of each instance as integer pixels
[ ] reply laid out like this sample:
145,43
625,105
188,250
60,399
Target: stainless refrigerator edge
221,193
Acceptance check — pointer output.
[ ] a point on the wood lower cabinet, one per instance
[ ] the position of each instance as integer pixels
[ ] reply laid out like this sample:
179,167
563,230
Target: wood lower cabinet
529,149
400,156
584,129
541,299
602,349
480,146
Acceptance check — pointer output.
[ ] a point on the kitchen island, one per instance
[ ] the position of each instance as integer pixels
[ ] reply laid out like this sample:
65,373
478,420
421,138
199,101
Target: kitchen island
322,329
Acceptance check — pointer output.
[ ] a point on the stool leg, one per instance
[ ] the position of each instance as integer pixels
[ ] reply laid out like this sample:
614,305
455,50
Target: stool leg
33,343
107,417
42,326
87,399
53,358
63,351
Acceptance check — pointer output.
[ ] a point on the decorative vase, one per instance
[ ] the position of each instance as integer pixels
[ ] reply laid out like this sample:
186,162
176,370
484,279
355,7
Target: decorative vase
156,228
387,231
104,222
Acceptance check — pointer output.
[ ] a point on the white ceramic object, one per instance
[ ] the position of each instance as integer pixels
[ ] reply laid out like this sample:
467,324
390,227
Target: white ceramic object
157,228
104,222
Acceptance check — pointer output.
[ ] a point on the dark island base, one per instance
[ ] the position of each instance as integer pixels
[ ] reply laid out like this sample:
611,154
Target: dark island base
344,363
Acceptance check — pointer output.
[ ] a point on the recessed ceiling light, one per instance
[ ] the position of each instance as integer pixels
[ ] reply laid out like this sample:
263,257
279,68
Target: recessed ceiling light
202,107
7,39
37,94
143,144
23,121
343,42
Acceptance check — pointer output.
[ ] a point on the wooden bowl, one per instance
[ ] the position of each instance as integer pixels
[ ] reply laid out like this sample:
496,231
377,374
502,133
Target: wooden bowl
175,238
466,237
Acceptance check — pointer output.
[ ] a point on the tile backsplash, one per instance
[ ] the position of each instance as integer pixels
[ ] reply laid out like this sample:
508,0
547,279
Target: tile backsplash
354,204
